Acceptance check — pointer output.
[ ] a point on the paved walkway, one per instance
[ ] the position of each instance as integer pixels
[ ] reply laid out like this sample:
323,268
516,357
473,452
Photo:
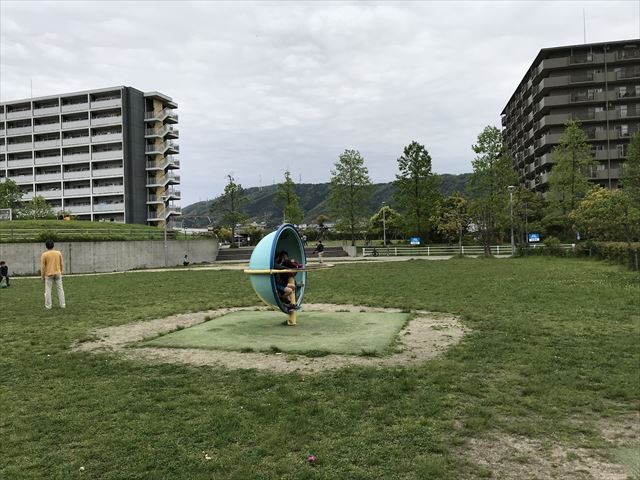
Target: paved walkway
241,265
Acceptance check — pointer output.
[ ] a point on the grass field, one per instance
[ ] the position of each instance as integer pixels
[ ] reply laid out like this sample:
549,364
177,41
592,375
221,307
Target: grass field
317,332
552,356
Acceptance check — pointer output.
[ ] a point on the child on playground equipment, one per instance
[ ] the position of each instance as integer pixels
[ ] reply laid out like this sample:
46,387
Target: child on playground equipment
283,262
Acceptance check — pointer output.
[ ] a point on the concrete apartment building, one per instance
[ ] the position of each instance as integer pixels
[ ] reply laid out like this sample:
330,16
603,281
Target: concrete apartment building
102,155
597,84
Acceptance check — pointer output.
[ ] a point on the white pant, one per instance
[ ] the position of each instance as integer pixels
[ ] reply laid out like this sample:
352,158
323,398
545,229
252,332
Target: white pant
320,256
47,290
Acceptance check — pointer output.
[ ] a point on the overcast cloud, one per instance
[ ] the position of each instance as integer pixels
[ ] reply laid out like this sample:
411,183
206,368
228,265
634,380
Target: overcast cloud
262,87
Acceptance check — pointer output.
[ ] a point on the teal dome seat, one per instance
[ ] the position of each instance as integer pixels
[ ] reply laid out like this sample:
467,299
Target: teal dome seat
286,238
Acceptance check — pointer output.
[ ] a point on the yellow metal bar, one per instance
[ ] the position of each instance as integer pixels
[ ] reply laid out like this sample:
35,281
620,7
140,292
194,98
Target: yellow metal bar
273,271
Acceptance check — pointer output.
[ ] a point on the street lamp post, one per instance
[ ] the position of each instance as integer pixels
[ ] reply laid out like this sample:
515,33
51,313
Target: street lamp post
384,224
511,189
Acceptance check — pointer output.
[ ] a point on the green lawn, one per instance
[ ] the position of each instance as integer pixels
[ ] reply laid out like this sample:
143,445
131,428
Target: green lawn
553,349
317,332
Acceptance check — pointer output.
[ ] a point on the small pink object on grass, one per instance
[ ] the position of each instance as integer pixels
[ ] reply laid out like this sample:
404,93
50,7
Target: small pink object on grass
312,459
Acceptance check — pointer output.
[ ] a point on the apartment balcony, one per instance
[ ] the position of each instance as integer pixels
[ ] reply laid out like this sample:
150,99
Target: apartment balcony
78,208
75,107
50,193
622,75
611,154
48,160
158,149
168,211
77,192
108,189
25,162
3,164
155,199
19,114
172,178
160,181
107,155
603,174
46,143
74,175
46,111
27,196
116,119
108,172
172,194
628,54
170,162
75,124
22,178
75,141
161,115
16,147
108,207
167,130
110,102
41,177
3,148
548,140
18,131
109,137
46,127
76,157
155,215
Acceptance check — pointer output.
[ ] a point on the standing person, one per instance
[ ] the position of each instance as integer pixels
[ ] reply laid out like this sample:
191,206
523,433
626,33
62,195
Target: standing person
185,260
319,250
4,273
304,240
51,272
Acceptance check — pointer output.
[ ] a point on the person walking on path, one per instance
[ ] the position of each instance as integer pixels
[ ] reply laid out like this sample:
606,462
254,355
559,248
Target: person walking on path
51,272
4,273
319,250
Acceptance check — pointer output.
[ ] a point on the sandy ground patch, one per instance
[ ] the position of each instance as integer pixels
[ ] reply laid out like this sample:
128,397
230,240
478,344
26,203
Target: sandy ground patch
512,457
425,337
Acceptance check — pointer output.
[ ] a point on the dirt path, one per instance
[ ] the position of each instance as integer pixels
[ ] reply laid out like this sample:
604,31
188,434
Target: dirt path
425,337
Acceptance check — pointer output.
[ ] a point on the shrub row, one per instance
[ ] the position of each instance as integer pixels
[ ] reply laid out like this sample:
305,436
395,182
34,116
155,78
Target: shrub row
614,252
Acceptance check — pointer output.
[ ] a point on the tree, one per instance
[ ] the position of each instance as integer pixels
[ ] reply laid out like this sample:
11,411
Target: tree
452,217
528,212
286,195
567,182
393,222
492,174
231,206
416,189
349,193
630,178
10,194
36,208
321,220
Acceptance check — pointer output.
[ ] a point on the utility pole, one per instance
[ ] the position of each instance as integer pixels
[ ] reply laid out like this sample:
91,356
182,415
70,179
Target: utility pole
511,188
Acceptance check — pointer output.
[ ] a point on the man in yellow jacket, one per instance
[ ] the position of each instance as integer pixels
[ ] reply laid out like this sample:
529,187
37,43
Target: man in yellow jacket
51,272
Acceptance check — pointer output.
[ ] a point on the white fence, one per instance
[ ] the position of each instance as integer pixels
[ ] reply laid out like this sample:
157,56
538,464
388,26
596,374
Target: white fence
441,250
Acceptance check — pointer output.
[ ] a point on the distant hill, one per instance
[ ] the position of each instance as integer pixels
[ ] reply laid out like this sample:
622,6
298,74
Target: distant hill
261,205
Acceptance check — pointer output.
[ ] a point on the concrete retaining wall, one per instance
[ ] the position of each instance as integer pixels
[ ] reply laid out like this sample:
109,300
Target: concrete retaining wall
90,257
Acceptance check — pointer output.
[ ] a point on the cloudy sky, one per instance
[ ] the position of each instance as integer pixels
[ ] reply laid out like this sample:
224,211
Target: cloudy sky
266,86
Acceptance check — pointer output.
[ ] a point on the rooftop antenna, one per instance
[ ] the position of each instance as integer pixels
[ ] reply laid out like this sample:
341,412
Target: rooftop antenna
31,86
299,178
584,25
260,183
